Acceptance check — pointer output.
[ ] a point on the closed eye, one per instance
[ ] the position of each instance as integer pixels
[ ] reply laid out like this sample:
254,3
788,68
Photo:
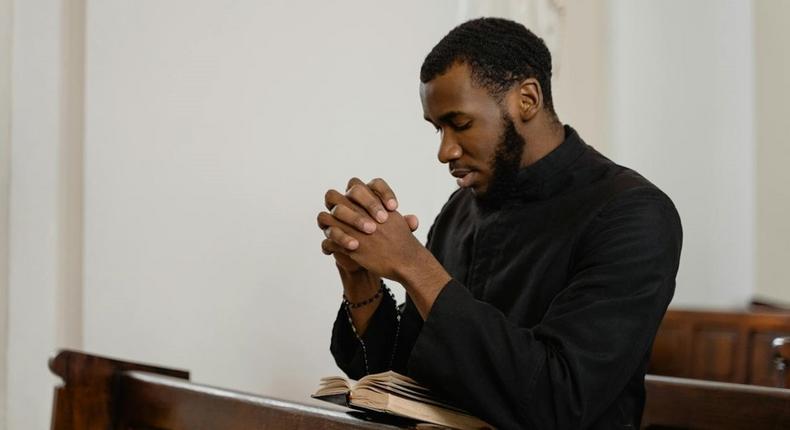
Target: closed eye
462,127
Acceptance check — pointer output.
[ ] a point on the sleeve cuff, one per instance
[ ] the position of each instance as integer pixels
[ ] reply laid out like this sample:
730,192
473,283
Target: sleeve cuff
378,339
451,301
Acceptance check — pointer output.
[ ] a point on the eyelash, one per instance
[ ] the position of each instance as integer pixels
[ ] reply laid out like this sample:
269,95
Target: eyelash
463,127
466,126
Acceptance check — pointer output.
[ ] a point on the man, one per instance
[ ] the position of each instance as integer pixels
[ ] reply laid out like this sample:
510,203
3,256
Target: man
546,274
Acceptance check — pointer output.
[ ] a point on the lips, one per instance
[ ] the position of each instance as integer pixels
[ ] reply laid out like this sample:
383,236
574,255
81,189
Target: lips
465,176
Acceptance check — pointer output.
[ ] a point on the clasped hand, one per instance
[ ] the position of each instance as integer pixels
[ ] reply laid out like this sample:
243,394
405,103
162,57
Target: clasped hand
364,230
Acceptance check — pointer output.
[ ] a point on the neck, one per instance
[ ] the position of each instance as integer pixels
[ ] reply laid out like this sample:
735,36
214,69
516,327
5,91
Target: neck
545,135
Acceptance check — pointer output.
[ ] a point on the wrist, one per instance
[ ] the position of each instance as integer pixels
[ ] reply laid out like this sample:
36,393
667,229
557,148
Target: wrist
424,274
372,299
359,285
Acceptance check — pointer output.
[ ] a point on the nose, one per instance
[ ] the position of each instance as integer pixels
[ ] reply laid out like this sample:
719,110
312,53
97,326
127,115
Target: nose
449,149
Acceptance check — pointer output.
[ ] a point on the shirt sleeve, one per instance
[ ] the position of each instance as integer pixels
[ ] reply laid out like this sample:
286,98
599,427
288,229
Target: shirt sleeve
387,342
370,353
565,371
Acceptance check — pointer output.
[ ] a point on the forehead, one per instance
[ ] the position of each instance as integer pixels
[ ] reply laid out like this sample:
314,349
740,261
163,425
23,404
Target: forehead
454,90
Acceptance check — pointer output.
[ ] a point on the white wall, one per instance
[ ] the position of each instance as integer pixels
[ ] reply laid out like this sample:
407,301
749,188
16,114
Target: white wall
211,133
580,85
681,112
773,152
33,262
5,148
44,202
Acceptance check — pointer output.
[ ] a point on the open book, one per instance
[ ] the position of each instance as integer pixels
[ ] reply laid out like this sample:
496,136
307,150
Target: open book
392,393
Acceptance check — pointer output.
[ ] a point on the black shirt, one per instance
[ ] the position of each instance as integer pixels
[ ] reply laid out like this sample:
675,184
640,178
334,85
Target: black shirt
554,303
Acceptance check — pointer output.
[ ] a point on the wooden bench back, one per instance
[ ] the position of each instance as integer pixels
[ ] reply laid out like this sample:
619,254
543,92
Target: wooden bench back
679,403
100,394
87,398
719,346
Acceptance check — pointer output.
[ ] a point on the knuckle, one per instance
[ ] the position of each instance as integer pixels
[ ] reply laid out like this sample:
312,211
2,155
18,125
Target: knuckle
358,192
364,189
338,235
339,212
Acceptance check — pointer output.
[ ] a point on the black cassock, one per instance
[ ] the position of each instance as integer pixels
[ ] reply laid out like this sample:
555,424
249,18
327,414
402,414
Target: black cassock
554,303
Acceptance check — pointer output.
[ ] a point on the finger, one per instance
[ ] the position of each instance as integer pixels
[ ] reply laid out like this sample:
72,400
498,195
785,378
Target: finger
412,221
363,196
385,193
352,217
332,198
325,219
328,247
354,181
337,235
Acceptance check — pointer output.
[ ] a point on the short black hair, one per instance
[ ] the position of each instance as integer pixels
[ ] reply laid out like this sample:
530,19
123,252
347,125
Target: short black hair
499,53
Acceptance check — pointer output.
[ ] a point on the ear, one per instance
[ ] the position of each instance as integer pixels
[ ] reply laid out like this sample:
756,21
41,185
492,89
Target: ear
529,99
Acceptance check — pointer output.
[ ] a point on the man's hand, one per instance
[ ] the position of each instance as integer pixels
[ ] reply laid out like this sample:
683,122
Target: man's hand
394,253
383,252
363,207
356,211
387,248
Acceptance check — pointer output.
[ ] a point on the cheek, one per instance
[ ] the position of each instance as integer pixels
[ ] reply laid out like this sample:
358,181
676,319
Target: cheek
481,145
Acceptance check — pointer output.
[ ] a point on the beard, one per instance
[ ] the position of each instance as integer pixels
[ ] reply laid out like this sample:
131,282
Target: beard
505,166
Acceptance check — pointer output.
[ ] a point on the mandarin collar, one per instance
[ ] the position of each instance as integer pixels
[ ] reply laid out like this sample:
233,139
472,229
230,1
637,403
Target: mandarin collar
540,180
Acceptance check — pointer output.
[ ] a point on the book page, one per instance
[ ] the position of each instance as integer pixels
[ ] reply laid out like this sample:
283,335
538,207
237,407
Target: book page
333,385
392,382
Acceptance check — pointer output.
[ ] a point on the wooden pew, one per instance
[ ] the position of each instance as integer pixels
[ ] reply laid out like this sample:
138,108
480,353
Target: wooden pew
102,393
720,346
679,403
99,393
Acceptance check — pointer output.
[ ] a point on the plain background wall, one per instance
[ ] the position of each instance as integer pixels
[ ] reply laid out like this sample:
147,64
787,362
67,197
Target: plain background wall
211,137
35,263
168,159
773,149
5,149
682,115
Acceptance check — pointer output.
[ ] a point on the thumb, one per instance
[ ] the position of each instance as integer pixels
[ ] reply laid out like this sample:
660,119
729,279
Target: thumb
412,221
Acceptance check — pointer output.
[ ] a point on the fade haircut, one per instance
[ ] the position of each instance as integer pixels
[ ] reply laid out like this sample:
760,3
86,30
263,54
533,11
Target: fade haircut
499,53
